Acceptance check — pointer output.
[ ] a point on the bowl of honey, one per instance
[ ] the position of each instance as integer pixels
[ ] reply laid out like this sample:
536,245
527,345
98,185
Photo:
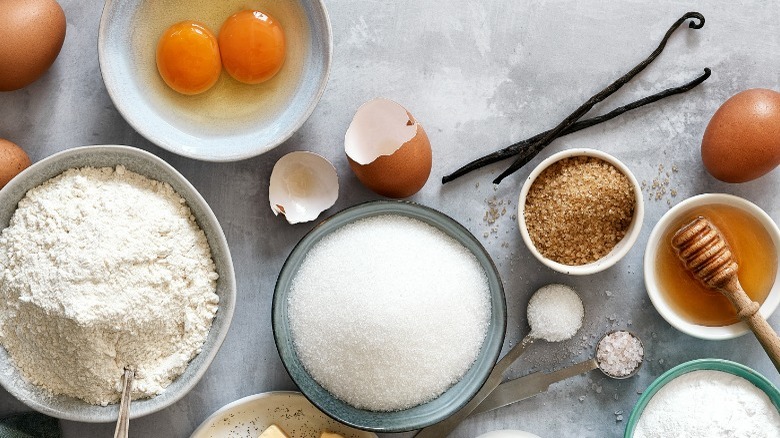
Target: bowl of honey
681,299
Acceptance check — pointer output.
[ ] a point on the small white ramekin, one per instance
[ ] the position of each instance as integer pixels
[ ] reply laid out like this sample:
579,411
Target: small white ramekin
651,280
619,250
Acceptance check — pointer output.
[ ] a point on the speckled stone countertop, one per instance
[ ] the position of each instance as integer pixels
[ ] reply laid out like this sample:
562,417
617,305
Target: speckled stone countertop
478,76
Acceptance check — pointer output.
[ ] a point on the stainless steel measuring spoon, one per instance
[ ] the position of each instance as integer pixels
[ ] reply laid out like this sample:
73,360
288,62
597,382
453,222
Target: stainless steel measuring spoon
528,386
493,381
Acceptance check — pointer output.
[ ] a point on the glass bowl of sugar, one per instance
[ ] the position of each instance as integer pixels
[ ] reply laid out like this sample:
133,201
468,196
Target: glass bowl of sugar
389,316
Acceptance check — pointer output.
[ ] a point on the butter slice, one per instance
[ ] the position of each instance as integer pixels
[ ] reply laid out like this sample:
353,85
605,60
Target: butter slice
274,431
326,434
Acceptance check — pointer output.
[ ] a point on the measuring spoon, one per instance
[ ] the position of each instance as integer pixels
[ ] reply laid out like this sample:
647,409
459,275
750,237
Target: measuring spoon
536,383
544,306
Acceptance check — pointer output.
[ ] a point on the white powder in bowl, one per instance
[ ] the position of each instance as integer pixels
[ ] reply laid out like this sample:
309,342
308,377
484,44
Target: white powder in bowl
388,312
555,313
102,269
709,404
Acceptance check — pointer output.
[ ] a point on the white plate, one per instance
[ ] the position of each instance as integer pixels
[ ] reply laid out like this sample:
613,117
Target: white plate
249,416
508,434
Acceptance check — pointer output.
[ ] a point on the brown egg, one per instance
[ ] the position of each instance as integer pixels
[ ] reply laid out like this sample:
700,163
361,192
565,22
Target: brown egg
742,140
13,160
31,36
388,149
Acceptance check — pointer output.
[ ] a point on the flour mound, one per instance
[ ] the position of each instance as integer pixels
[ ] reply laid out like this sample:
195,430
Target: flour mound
103,268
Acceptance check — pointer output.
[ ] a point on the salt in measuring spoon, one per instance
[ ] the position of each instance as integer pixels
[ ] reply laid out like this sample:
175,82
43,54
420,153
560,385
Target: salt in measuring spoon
555,314
528,386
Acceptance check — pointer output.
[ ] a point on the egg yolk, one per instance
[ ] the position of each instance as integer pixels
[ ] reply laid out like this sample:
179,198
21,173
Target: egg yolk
188,57
252,46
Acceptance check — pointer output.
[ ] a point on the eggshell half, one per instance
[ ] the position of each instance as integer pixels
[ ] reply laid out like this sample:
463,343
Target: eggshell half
388,149
303,185
742,140
31,36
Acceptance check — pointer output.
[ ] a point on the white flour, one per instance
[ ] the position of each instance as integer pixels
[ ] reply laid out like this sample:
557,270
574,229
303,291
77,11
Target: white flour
102,269
709,404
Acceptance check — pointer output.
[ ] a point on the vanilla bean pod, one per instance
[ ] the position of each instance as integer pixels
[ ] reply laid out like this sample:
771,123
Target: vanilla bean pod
697,23
528,153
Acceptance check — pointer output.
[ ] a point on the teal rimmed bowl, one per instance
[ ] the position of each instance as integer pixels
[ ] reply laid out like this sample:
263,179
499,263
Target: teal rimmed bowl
727,366
421,415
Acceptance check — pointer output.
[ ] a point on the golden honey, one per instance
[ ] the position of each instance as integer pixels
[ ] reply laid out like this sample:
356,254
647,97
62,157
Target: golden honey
753,251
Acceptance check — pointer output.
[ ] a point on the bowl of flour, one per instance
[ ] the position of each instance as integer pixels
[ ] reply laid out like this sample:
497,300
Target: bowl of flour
389,316
707,398
109,258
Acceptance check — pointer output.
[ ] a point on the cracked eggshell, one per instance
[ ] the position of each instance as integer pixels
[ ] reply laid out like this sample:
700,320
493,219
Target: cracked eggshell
303,185
388,149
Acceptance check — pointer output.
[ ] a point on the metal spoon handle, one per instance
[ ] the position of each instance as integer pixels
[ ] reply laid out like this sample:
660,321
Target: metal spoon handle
528,386
123,422
443,428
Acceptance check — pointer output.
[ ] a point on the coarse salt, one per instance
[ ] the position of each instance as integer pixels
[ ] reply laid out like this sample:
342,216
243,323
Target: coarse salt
388,312
555,313
619,353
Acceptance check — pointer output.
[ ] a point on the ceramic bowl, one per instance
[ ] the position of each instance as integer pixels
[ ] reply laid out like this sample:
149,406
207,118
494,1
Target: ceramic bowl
254,413
726,366
622,247
421,415
231,121
152,167
659,300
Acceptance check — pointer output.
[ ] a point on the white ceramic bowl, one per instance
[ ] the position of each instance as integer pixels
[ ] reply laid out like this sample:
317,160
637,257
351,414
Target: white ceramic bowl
231,121
151,166
651,280
619,250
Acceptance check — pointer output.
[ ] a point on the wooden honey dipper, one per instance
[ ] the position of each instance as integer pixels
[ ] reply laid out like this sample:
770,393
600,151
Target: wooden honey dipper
706,254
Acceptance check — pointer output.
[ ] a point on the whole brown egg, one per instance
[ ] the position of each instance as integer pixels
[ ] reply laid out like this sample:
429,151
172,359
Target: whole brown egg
742,140
13,160
31,36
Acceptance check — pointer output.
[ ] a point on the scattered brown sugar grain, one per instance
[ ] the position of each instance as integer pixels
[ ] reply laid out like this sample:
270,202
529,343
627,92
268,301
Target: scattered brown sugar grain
578,209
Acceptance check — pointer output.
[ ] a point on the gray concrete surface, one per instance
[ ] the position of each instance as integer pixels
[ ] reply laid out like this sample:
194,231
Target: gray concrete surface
478,76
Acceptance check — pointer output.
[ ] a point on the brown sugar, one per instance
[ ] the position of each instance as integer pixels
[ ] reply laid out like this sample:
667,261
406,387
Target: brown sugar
578,209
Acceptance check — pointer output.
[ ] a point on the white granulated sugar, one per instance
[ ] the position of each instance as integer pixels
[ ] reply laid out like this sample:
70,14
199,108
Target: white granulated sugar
709,404
555,313
102,269
388,312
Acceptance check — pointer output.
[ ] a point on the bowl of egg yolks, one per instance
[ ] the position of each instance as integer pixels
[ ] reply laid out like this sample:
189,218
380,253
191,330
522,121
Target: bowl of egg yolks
215,81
